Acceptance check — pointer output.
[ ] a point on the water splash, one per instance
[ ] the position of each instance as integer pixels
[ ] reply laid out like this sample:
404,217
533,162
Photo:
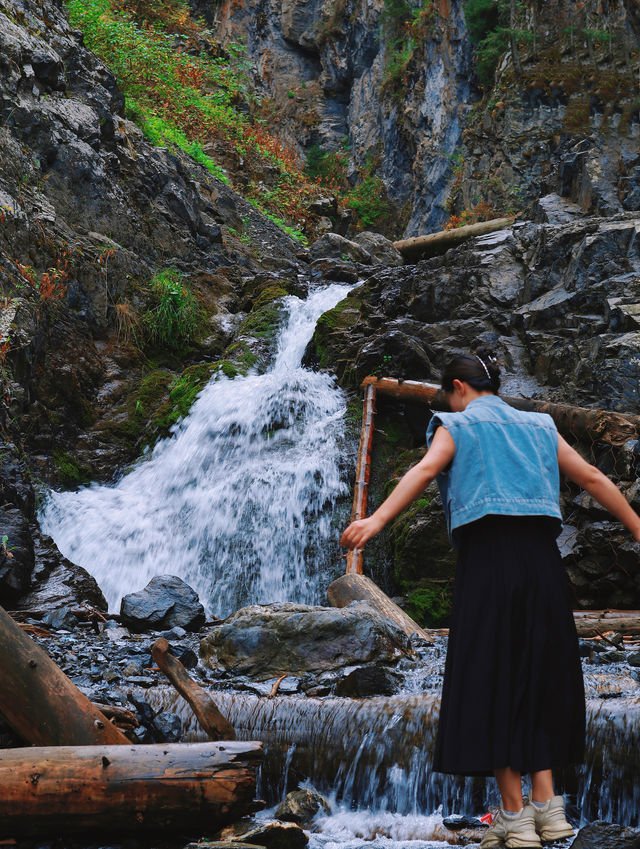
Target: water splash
240,501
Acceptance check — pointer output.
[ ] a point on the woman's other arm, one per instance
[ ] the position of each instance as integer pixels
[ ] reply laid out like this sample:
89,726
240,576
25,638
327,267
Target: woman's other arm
597,484
411,485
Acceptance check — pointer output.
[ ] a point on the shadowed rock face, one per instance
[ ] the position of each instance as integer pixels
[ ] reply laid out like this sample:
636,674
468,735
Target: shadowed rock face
558,302
326,65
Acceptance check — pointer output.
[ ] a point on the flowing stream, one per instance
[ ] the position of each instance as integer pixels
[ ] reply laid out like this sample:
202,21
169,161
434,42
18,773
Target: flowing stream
239,501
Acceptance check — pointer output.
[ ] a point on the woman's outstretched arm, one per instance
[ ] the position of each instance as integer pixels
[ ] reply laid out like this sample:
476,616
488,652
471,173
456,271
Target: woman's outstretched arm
597,484
437,458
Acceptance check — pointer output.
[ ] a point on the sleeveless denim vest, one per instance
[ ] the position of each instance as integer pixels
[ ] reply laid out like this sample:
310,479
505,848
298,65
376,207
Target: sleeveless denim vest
506,462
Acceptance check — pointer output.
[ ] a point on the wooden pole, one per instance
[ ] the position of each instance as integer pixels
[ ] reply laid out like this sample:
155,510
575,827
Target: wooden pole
209,717
363,469
420,247
356,587
38,700
583,422
192,788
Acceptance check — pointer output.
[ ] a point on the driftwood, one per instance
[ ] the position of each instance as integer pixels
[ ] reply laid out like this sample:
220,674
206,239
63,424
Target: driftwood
118,715
594,623
186,787
582,422
209,717
420,247
354,587
38,700
363,468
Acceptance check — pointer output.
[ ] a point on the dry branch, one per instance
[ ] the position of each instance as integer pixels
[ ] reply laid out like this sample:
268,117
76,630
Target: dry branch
209,717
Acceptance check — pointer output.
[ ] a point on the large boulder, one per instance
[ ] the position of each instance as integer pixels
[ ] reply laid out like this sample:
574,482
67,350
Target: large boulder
262,641
337,247
381,249
165,602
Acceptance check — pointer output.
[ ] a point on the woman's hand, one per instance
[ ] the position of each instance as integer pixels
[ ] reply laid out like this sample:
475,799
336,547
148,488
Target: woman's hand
360,531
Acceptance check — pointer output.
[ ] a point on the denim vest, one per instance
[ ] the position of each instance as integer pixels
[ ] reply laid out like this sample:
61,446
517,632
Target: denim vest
506,462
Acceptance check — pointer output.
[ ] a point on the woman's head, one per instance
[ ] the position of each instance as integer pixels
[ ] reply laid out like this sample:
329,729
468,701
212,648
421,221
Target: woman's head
481,371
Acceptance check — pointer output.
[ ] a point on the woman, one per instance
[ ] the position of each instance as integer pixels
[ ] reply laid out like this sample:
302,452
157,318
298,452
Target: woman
513,695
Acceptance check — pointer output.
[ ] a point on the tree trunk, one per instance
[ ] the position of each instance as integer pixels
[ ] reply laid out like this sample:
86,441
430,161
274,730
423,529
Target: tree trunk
192,788
419,247
581,422
354,587
363,468
594,623
40,702
209,717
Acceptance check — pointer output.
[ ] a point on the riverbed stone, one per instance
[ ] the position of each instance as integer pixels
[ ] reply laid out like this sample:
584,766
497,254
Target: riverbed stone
301,806
271,834
165,602
266,640
367,681
606,835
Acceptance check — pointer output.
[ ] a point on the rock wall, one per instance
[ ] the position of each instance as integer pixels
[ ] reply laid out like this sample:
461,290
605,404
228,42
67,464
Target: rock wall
333,76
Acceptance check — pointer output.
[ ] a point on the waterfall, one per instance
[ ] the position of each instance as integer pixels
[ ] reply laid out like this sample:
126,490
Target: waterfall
376,753
240,501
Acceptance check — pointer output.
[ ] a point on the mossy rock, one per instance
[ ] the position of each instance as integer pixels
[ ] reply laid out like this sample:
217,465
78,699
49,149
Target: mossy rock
430,605
184,391
71,474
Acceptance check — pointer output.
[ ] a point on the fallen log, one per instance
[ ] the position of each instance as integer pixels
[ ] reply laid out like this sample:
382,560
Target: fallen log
208,715
353,587
363,469
117,714
590,626
38,700
582,422
182,787
420,247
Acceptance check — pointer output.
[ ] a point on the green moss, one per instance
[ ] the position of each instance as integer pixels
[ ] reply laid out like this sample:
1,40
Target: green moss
183,393
430,605
70,473
241,356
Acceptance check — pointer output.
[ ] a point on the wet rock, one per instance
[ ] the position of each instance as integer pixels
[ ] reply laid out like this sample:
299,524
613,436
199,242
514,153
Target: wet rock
61,617
605,835
367,681
271,834
59,583
262,641
168,727
165,602
633,658
301,806
333,246
16,555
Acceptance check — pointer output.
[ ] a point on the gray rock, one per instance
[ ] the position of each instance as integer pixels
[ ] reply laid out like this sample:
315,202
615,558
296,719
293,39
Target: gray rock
270,833
381,249
165,602
301,806
633,658
333,246
262,641
606,835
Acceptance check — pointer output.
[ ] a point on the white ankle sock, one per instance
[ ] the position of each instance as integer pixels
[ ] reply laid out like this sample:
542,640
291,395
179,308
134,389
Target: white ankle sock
538,804
510,813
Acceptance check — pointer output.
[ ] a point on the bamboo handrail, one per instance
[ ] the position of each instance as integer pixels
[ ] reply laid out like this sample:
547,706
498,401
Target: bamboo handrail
363,469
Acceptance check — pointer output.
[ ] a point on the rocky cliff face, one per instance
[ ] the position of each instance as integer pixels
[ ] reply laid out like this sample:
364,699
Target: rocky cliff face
340,74
562,117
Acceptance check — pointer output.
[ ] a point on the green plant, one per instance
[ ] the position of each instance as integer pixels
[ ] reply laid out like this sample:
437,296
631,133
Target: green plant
175,316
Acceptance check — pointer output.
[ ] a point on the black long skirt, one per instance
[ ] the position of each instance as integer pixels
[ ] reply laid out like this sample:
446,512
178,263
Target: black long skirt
513,692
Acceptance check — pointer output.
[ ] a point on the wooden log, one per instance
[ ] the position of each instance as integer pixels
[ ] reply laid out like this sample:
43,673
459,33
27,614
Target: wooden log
587,626
582,422
209,717
363,469
420,247
38,700
352,587
185,787
119,715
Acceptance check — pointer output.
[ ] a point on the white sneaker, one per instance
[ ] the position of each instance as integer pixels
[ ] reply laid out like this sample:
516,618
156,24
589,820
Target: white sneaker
551,822
514,832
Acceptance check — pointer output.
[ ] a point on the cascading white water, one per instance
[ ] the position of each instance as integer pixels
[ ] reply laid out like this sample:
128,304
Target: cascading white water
239,501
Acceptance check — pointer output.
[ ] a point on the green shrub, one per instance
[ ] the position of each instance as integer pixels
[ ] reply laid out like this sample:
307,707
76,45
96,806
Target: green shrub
175,316
369,201
430,606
